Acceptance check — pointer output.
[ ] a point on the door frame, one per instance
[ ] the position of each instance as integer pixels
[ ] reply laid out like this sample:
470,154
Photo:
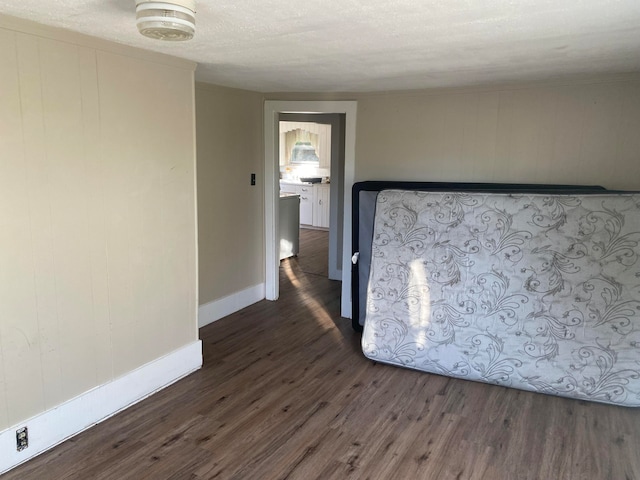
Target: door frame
336,121
272,110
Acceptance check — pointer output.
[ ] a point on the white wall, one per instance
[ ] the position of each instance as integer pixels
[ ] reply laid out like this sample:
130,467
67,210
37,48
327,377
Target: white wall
98,270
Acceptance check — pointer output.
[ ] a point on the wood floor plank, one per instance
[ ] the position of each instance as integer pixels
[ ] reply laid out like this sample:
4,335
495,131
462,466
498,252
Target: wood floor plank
285,393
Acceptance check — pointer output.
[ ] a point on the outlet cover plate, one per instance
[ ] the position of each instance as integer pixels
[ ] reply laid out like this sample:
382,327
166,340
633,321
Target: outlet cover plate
22,438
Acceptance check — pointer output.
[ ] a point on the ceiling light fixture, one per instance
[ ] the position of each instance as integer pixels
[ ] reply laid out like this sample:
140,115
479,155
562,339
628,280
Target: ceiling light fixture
173,21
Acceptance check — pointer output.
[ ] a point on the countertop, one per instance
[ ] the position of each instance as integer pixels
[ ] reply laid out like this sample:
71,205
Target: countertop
298,182
295,182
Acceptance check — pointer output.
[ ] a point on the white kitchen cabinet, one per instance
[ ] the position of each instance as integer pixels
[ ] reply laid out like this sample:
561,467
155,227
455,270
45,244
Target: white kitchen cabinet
306,203
321,205
314,202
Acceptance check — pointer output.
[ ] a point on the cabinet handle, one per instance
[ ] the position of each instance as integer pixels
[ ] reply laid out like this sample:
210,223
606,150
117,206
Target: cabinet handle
320,201
304,198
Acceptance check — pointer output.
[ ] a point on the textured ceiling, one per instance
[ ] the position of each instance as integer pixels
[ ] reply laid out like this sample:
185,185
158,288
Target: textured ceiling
374,45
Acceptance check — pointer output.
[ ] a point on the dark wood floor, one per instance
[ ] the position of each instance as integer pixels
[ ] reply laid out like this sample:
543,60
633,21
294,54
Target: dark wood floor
285,393
314,248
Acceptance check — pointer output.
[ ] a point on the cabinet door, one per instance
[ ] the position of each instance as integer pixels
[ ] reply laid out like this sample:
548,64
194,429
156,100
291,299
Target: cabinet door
321,206
306,204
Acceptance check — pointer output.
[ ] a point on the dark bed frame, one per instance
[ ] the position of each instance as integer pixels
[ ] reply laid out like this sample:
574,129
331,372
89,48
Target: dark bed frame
377,186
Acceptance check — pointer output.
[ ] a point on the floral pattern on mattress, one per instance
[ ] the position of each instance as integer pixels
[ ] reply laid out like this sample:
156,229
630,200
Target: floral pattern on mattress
533,291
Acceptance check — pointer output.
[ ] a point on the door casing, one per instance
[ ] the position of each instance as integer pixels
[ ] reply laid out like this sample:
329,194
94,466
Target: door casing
272,110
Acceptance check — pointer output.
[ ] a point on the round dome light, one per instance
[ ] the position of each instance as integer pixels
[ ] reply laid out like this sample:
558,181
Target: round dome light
173,21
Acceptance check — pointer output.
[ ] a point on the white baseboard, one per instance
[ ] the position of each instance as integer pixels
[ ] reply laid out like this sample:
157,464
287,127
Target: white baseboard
212,311
73,416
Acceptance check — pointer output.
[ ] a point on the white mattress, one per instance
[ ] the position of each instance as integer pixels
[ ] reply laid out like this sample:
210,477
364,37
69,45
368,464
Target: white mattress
533,291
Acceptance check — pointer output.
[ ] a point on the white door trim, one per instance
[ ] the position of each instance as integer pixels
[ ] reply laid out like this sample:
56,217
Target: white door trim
272,108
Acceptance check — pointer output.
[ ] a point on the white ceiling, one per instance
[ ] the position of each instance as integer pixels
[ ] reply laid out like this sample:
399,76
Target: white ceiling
374,45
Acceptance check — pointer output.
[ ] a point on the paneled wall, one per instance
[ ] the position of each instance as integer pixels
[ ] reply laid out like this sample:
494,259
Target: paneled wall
97,215
581,132
230,209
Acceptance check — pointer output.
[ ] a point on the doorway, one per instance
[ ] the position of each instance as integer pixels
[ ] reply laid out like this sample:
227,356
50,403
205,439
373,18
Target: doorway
319,205
272,112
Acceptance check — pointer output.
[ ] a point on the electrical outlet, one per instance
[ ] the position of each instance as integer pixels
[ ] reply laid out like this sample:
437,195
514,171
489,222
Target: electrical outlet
22,438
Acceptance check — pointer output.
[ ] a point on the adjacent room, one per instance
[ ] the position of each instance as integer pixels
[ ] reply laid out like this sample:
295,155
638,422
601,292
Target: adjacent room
233,240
